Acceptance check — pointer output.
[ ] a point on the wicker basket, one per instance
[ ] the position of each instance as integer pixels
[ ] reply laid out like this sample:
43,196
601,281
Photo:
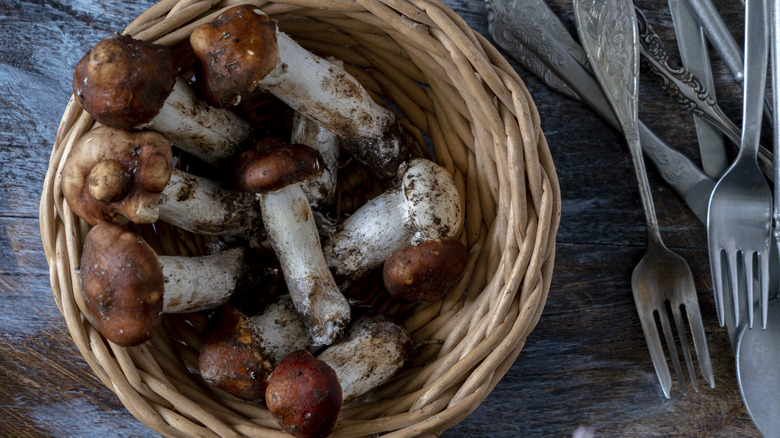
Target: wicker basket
454,90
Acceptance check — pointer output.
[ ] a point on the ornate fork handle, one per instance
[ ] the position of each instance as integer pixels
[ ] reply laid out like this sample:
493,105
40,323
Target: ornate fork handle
678,82
688,90
608,31
605,26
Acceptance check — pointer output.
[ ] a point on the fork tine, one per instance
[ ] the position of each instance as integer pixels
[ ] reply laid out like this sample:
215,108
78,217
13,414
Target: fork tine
764,267
717,266
749,280
656,351
732,265
699,340
670,346
684,346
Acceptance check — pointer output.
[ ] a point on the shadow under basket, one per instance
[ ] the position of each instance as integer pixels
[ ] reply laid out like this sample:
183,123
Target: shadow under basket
468,108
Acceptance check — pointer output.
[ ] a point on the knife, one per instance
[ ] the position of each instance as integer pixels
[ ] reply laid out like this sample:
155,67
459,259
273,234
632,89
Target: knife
534,36
692,44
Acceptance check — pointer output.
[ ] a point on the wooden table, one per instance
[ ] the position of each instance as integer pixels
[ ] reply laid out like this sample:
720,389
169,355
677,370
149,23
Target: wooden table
586,364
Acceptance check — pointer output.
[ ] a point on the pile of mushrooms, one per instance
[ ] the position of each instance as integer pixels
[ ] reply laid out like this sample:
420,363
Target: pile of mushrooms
276,193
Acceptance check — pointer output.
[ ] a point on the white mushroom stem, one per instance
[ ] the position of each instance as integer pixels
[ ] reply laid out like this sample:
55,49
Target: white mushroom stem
199,283
197,128
321,190
200,205
281,329
339,103
366,238
426,206
292,231
373,351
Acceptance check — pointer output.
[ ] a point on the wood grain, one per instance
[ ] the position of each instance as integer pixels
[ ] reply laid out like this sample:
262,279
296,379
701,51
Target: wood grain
586,364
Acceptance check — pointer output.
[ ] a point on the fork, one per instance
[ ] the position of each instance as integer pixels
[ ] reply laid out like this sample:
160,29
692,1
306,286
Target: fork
608,32
740,211
774,32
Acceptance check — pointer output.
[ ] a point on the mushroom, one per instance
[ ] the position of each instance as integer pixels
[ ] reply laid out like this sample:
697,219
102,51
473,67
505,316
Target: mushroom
202,206
242,50
426,271
304,396
127,286
233,357
272,169
120,176
238,353
117,176
373,351
281,328
425,206
320,191
131,84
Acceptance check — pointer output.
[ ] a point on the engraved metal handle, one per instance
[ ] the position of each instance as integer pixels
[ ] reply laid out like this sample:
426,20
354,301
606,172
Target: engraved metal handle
728,48
608,31
694,53
689,92
678,82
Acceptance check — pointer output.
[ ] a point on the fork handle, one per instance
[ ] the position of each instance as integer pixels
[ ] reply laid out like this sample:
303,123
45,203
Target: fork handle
756,54
719,36
688,90
775,51
645,192
609,34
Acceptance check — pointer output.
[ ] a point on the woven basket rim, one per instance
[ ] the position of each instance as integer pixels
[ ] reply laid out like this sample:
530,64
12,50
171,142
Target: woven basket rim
455,90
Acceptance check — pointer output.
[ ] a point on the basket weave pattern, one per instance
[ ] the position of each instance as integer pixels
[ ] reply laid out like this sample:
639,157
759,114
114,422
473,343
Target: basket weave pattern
452,88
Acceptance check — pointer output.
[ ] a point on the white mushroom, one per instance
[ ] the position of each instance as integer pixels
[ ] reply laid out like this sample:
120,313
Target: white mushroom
127,286
202,206
274,171
373,351
119,176
426,206
196,127
242,50
291,228
320,190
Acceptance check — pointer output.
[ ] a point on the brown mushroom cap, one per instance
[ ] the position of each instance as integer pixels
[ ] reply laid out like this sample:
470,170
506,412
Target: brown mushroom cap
273,164
123,82
123,284
304,396
235,52
117,176
424,272
232,356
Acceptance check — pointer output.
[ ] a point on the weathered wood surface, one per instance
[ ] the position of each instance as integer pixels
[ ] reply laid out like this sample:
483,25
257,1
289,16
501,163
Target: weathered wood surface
586,364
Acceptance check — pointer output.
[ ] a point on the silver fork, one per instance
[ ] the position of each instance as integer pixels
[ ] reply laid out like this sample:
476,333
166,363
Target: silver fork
740,212
774,32
608,32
